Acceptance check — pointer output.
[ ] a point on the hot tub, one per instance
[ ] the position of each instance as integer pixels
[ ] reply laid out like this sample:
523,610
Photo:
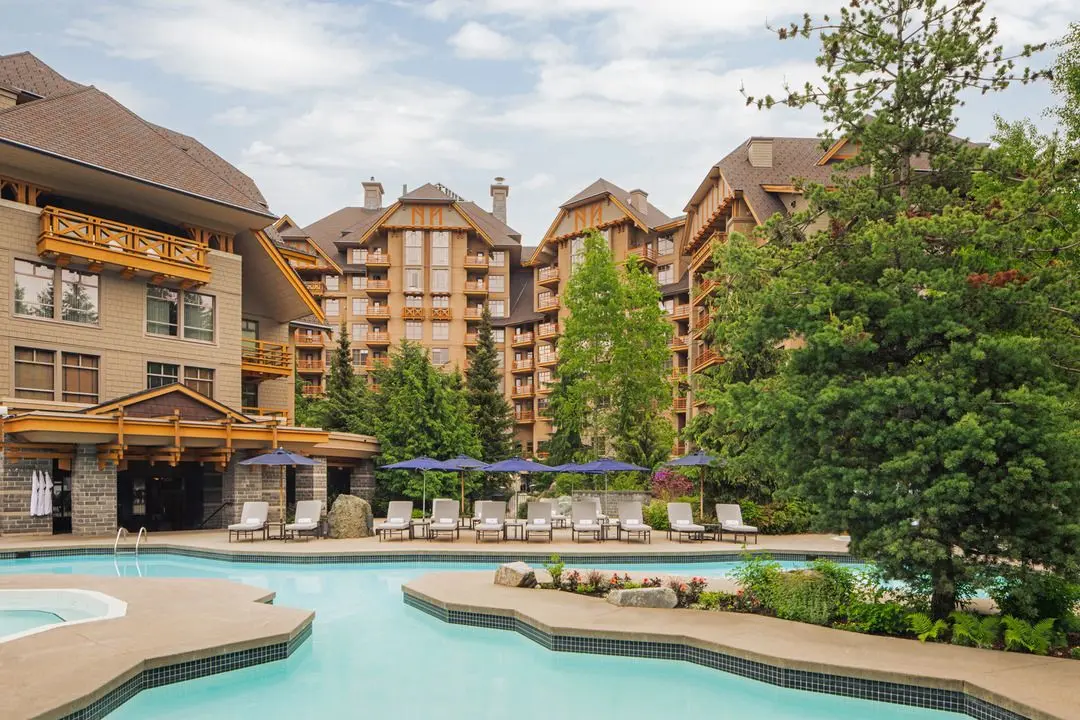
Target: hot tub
27,611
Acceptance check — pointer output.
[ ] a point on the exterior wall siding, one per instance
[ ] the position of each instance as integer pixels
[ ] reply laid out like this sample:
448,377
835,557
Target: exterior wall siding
93,494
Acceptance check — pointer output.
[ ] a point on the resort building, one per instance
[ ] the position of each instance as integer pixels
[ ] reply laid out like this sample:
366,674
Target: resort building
144,338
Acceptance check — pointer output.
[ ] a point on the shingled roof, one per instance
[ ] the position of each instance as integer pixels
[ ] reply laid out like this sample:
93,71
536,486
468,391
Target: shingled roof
23,71
653,218
793,159
427,193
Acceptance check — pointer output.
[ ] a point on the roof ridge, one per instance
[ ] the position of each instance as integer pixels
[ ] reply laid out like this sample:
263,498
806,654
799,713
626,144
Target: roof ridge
48,98
155,127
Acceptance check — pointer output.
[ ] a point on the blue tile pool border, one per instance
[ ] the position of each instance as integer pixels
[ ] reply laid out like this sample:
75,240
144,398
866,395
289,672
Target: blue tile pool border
883,691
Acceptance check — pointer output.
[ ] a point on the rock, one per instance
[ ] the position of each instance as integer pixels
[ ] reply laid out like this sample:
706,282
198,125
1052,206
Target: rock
350,517
515,574
644,597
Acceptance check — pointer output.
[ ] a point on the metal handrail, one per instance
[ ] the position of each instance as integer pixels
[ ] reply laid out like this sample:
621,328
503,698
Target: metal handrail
138,539
119,531
212,515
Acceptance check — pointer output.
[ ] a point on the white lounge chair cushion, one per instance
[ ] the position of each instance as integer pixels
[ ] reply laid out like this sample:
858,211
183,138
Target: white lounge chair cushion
682,522
395,520
491,521
253,521
445,520
585,521
734,526
303,521
538,521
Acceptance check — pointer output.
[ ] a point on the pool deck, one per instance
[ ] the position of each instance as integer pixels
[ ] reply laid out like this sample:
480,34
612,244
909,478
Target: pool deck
169,623
217,541
1036,687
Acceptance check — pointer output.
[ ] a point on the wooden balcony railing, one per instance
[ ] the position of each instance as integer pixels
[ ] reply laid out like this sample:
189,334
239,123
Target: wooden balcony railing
104,242
371,363
310,365
522,339
375,337
645,252
678,374
441,313
265,412
476,260
547,358
315,287
548,330
474,313
473,287
705,359
547,275
703,255
261,357
314,391
543,388
679,404
523,365
304,339
678,343
524,416
522,391
471,339
377,258
377,286
413,313
377,311
680,312
547,302
703,290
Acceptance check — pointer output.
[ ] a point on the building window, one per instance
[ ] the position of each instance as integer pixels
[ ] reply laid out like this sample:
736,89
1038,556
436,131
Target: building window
200,380
34,289
440,301
440,248
359,306
498,259
162,311
665,274
543,378
79,298
414,247
332,307
496,283
665,246
35,293
358,281
80,378
414,301
331,282
414,330
496,307
440,356
577,251
249,329
158,374
499,334
35,373
357,256
502,361
414,280
198,317
440,280
249,395
359,356
440,331
359,331
668,305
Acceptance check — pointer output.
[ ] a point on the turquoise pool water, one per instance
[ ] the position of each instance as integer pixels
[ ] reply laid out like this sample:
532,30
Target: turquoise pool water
371,656
15,621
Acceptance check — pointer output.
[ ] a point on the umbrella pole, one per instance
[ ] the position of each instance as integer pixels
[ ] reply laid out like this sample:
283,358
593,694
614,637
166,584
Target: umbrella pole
423,503
462,508
701,498
281,492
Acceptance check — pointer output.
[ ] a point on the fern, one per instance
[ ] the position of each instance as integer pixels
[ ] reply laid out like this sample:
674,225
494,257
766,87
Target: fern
925,628
975,631
1022,636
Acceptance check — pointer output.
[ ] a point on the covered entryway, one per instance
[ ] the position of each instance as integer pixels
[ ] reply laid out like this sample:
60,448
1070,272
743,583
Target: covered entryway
160,496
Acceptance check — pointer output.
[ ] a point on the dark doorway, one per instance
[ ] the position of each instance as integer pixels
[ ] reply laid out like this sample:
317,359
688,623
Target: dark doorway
159,496
338,482
61,499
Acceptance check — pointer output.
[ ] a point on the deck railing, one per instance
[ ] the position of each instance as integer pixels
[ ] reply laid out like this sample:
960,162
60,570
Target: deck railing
266,354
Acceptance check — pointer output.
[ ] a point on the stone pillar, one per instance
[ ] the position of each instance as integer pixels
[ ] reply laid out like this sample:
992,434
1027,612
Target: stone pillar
93,494
311,482
240,484
16,481
362,480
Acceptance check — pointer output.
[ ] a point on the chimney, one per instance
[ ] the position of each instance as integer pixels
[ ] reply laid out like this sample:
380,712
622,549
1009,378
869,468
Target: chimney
760,154
499,192
640,200
373,192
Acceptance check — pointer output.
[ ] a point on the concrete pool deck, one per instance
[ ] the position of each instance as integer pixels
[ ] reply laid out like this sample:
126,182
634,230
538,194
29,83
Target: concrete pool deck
1040,688
174,629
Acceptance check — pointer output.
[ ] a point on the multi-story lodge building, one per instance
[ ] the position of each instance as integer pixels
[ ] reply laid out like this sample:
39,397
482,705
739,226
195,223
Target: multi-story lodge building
144,332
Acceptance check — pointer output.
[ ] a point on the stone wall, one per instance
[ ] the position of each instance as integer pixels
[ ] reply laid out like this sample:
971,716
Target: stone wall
93,494
311,482
15,485
362,482
609,501
240,484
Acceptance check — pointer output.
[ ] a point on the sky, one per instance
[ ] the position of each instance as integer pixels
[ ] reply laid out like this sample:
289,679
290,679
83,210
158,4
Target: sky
312,97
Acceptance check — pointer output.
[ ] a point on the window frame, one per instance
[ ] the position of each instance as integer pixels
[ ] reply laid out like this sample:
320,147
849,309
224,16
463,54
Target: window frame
57,281
89,398
19,391
199,380
175,378
411,325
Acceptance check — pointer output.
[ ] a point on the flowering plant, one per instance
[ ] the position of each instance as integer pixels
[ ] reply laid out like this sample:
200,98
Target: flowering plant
668,486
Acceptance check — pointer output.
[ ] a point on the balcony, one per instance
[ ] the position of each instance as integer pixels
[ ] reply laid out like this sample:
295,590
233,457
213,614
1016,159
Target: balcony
475,287
474,314
378,259
547,359
471,339
704,254
377,287
265,359
547,302
525,365
315,287
679,312
646,252
704,290
314,391
679,404
548,276
103,242
521,339
476,261
678,374
543,388
378,312
524,416
522,391
375,337
310,365
678,343
412,313
281,414
543,412
706,358
441,313
679,448
548,331
372,363
309,340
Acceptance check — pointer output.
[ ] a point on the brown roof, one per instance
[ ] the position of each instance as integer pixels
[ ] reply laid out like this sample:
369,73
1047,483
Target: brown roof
501,234
23,71
214,163
293,233
335,226
793,158
427,193
88,126
653,218
521,302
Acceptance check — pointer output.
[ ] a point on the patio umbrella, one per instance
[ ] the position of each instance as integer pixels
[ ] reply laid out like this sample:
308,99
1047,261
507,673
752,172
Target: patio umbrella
280,458
700,459
423,464
461,463
517,465
603,466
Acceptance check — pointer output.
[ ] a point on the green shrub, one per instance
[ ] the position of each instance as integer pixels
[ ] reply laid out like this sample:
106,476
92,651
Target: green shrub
555,568
1075,653
975,630
711,600
757,576
1022,636
655,515
1033,595
925,628
778,518
876,618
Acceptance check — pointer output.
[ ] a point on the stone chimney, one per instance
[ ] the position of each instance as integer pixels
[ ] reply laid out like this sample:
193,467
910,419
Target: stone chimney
499,192
760,152
373,192
640,200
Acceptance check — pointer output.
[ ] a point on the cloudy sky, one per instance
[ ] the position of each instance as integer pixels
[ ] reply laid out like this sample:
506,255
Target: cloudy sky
312,97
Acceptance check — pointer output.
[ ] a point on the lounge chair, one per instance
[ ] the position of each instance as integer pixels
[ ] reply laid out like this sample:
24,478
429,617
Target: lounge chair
539,521
252,520
492,520
308,513
631,522
557,519
398,520
444,519
585,521
681,522
729,519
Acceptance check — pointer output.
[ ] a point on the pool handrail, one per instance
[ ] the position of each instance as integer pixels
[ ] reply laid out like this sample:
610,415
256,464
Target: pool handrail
142,533
119,531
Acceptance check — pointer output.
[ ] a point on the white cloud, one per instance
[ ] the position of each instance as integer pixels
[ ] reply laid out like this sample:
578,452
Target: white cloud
537,181
236,116
479,42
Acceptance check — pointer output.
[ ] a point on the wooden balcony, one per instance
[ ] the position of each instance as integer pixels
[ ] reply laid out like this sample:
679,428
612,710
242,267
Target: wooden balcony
315,287
413,313
377,287
548,330
547,359
375,337
678,374
311,366
521,339
441,314
378,259
522,391
309,340
679,312
678,342
265,412
474,314
704,290
548,276
475,287
68,234
647,253
377,312
706,358
265,359
679,404
679,448
371,364
523,366
476,261
547,302
543,412
471,339
524,416
702,257
314,391
543,389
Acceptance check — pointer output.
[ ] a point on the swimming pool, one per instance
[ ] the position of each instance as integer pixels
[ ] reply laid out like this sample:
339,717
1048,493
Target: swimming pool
372,656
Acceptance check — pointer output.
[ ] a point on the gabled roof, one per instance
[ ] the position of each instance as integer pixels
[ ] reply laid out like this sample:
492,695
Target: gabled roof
184,397
652,218
500,234
23,71
427,193
215,164
87,126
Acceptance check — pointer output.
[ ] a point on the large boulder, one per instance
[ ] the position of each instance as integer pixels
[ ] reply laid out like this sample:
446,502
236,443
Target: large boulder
515,574
350,517
564,503
644,597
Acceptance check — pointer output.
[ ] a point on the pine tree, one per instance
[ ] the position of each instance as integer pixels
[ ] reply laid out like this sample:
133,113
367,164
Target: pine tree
346,406
491,413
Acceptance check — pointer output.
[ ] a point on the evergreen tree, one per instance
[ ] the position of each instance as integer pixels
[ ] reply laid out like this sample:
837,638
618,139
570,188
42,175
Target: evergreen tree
308,411
1066,78
491,413
346,407
933,409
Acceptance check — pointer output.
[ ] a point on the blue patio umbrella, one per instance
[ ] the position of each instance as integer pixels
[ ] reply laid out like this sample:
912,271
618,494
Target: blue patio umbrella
603,466
461,463
517,465
423,464
282,458
698,458
574,468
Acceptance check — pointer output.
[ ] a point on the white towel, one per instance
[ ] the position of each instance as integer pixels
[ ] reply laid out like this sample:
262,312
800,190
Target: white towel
46,508
35,494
